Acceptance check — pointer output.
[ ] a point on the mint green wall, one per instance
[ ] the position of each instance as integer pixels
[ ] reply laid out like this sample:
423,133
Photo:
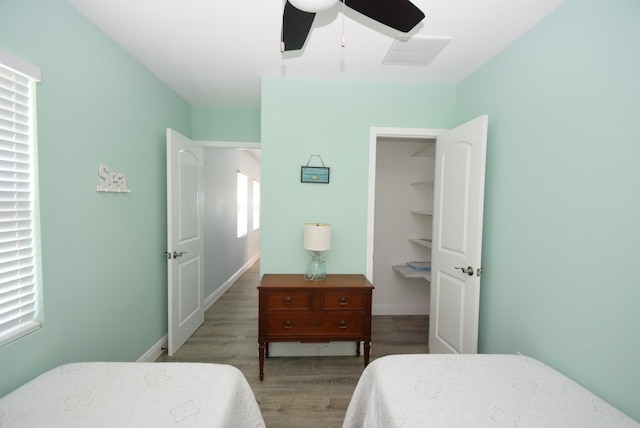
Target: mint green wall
225,123
562,207
104,274
333,119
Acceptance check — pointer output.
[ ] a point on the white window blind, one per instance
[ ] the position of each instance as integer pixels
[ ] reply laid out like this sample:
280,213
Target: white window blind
19,291
256,205
242,212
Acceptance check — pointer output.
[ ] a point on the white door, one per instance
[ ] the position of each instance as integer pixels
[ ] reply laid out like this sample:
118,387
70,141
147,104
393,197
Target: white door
457,238
185,240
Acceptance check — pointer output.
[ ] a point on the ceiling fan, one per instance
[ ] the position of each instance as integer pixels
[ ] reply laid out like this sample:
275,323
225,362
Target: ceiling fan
298,16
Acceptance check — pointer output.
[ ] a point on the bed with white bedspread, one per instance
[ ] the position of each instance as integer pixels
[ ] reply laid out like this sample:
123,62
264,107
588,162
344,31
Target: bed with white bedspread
134,395
426,391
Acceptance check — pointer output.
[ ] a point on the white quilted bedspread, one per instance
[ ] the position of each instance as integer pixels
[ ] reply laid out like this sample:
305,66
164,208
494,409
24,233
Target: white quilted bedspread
424,391
134,395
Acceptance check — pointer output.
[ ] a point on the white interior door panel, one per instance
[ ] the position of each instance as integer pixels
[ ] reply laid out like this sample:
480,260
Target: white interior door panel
457,238
185,246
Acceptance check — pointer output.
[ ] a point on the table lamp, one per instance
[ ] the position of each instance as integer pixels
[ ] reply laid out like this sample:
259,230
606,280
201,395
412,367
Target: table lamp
317,238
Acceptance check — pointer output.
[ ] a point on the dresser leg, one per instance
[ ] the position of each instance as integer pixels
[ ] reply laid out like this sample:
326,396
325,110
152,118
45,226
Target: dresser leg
261,348
357,348
367,350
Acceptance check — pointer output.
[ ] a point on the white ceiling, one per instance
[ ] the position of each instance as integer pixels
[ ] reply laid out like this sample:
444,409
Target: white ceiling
214,52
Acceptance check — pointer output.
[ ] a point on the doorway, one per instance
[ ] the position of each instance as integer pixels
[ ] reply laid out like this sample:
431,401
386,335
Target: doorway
229,255
456,244
201,204
399,193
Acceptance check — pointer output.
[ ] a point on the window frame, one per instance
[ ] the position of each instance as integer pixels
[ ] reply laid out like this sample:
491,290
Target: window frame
256,205
19,316
242,204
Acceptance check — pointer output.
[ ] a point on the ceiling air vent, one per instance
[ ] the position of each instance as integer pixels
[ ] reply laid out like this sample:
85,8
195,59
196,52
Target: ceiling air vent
417,50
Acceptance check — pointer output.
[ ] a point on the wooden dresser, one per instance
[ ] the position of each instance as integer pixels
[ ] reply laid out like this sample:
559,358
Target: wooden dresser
292,309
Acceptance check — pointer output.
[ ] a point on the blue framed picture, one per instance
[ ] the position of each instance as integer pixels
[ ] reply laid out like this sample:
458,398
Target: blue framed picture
314,174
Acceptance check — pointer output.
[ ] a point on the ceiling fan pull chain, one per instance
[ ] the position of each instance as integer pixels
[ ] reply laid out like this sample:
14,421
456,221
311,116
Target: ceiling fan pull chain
344,3
282,39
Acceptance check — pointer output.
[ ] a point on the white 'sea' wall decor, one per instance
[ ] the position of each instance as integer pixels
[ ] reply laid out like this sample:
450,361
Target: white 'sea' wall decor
111,181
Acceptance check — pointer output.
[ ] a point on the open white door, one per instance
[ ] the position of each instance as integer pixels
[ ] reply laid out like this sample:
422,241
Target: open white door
185,241
457,238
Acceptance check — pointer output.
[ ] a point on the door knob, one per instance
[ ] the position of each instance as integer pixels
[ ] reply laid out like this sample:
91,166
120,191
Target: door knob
177,254
468,270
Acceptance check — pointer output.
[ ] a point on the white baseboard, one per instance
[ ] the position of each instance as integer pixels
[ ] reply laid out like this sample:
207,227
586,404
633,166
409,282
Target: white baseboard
400,309
157,349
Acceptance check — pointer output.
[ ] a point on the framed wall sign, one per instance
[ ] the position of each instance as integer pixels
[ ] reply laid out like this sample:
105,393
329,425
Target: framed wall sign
314,174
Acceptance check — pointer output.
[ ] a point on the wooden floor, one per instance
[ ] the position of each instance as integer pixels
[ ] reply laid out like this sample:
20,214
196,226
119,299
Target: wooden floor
296,392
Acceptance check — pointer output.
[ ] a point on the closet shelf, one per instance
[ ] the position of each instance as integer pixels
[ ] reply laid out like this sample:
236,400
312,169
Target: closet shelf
421,212
429,153
422,242
408,272
422,183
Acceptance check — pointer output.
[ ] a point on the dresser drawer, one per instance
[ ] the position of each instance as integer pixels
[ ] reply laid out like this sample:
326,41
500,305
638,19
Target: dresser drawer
343,300
293,300
313,324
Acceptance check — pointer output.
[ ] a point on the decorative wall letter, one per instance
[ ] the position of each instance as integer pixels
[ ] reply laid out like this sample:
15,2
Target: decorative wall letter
111,181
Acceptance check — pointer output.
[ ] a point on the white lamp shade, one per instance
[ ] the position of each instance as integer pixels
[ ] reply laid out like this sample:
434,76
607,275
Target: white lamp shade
313,6
317,236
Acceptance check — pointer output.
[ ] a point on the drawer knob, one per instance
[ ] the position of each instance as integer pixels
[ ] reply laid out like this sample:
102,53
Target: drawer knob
288,325
288,301
342,325
343,301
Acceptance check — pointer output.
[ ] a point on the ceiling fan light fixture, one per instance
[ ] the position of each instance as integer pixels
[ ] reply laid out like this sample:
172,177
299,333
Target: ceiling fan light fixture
313,6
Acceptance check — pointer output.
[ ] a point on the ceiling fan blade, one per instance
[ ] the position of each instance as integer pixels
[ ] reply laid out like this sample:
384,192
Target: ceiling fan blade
401,15
295,27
